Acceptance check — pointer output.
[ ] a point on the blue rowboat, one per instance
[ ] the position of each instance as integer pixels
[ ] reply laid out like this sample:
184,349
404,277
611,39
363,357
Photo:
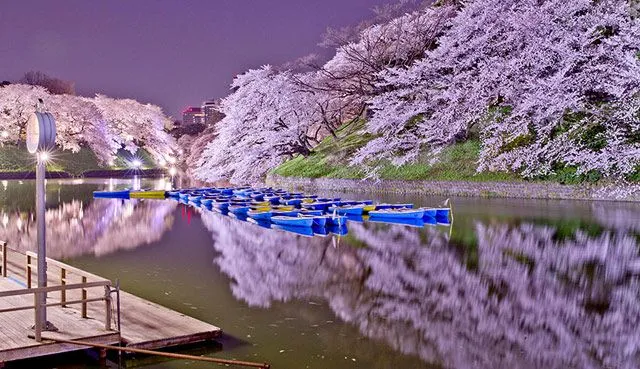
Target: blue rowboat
262,215
325,199
220,205
111,194
289,213
206,202
275,200
195,198
430,212
319,221
173,194
316,205
240,217
304,231
311,212
401,206
347,210
442,220
412,222
292,221
239,210
295,202
338,220
442,212
397,214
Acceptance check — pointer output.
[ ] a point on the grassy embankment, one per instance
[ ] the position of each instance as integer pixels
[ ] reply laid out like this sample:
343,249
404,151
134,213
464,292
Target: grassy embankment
330,159
17,159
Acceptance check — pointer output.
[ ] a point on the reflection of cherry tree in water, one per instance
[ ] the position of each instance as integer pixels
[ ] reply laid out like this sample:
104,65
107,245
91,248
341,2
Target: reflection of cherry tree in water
268,265
622,217
530,300
99,228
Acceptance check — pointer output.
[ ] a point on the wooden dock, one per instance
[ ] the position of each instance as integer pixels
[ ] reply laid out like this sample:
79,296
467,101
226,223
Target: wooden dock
82,307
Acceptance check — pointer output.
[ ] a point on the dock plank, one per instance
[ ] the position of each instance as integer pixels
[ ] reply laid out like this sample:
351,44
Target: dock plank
144,324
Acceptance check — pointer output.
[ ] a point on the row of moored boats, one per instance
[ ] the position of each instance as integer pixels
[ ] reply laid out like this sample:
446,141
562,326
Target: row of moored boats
284,208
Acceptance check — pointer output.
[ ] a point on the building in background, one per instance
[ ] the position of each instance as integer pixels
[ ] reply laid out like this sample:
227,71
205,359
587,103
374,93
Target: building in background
212,114
192,115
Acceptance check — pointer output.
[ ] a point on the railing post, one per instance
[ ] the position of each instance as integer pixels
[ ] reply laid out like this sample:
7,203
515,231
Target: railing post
3,245
63,282
28,271
107,307
84,298
36,326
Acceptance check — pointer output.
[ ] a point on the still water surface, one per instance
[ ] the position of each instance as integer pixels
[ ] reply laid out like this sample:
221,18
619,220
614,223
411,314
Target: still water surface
510,284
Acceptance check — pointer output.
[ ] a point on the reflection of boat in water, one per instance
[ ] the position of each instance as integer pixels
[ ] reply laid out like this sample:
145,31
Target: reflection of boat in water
111,194
264,223
303,231
339,230
412,222
320,230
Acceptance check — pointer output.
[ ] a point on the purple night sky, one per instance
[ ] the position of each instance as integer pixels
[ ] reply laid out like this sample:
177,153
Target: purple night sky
172,53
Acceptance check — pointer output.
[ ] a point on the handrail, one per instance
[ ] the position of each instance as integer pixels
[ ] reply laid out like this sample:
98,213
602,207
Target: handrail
75,286
65,271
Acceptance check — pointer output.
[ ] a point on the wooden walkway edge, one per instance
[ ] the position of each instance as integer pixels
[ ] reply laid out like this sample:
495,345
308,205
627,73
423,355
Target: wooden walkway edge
144,324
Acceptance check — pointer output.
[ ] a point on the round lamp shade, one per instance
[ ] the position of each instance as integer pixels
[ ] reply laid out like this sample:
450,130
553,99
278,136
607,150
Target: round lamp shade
41,132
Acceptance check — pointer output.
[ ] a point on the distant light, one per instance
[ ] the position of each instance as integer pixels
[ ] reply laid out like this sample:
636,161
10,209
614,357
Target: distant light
173,171
136,163
44,156
4,134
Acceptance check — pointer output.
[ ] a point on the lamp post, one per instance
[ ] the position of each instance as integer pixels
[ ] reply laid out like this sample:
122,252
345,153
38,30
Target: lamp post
41,137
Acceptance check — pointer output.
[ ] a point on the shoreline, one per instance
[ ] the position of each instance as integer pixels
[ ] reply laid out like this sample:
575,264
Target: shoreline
113,173
522,190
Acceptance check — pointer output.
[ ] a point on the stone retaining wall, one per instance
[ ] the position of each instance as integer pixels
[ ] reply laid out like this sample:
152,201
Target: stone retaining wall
528,190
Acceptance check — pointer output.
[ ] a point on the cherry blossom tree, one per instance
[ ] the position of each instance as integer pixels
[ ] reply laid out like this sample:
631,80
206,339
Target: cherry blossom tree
101,123
136,125
544,84
267,119
17,102
79,123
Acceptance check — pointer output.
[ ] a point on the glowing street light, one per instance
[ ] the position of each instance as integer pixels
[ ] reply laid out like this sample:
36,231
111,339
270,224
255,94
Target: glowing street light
173,171
136,164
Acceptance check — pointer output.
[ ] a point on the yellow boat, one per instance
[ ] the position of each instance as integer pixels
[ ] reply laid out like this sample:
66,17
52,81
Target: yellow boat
368,208
147,194
284,207
260,203
260,208
308,200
